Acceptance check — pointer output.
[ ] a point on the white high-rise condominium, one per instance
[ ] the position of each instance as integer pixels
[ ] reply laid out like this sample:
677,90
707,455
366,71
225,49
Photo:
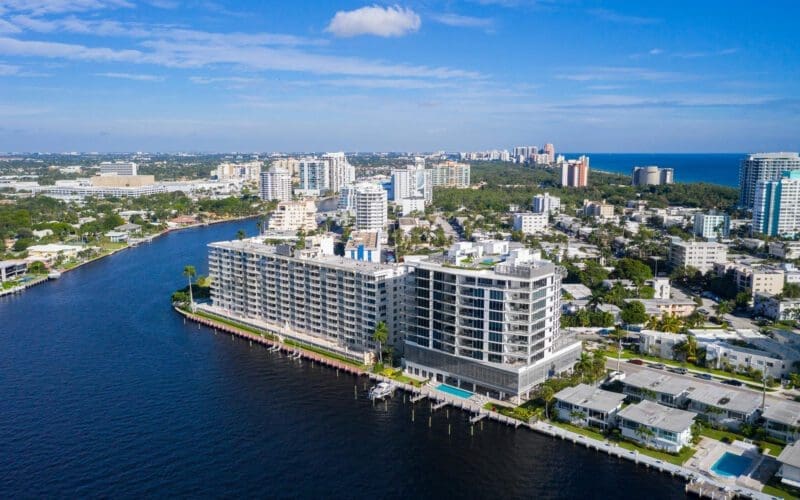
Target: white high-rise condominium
326,301
314,175
652,176
488,329
276,184
763,167
370,206
118,168
411,182
712,225
776,210
340,171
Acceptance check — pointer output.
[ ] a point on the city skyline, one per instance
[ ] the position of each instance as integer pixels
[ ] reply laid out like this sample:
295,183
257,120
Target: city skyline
166,75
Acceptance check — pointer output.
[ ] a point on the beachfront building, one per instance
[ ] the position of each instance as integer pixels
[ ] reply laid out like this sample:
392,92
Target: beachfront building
485,317
726,407
763,167
776,209
700,255
530,223
306,295
657,426
586,405
370,207
652,176
276,184
546,204
782,420
294,216
575,173
790,465
712,226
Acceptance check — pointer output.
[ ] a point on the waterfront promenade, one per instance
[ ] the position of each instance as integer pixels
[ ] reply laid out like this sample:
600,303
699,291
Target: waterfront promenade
697,484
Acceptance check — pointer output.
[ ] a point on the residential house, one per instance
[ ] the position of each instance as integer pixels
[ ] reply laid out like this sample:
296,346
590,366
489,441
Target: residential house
782,420
660,387
723,406
652,424
588,406
790,465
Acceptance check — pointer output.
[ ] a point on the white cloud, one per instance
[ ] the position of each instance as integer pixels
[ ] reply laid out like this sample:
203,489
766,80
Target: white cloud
616,17
713,53
7,27
132,76
39,7
655,52
463,21
623,73
389,21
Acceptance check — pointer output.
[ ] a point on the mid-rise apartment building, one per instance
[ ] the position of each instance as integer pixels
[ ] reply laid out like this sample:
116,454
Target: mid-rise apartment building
118,168
249,171
530,223
701,255
545,204
601,209
314,176
763,167
450,174
485,317
712,225
294,216
305,295
575,173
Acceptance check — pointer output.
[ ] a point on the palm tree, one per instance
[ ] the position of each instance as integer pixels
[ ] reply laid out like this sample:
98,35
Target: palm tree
240,234
190,272
671,323
723,308
381,335
547,394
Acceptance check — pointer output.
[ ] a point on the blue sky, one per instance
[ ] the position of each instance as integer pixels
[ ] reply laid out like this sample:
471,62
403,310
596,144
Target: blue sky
193,75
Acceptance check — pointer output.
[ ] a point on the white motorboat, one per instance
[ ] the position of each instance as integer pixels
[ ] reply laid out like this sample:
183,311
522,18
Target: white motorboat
381,391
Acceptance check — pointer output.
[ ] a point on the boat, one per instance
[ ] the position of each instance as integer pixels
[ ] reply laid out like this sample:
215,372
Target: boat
381,391
54,275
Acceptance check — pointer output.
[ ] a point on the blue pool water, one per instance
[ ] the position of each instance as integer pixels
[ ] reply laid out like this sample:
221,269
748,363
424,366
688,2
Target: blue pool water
455,391
730,465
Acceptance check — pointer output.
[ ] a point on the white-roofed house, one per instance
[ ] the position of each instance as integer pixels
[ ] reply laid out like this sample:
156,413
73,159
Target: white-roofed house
782,420
587,405
722,406
790,465
658,426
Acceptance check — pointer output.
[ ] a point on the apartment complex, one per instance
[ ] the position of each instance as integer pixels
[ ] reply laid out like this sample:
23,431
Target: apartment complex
294,216
712,225
575,173
314,175
250,171
412,182
450,174
308,296
652,176
530,223
485,316
776,209
276,184
700,255
601,209
370,201
763,167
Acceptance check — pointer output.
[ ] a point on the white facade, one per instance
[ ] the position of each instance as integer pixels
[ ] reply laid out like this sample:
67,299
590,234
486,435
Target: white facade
371,207
411,205
340,172
276,184
657,426
782,420
118,168
585,405
530,223
544,203
412,182
294,216
763,167
652,176
250,171
776,209
302,294
721,354
489,329
450,174
314,175
712,225
701,255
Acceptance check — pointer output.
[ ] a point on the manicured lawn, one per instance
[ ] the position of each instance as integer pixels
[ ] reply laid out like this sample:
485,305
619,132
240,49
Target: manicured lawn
401,377
774,448
517,412
775,488
678,459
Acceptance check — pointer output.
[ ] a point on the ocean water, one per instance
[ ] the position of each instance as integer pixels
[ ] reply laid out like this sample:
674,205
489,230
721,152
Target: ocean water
106,392
720,168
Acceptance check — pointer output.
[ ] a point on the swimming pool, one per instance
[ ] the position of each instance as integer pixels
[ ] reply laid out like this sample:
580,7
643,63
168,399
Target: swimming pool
730,465
455,391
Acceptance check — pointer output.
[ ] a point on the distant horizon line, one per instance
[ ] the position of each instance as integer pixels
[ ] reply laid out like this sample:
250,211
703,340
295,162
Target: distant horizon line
407,153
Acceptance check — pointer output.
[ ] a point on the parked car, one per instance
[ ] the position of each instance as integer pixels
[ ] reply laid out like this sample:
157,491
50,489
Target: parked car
733,382
704,376
636,361
679,371
658,366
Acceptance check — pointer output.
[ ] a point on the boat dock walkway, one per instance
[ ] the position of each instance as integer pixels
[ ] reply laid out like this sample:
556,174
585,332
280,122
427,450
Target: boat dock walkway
21,288
697,485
